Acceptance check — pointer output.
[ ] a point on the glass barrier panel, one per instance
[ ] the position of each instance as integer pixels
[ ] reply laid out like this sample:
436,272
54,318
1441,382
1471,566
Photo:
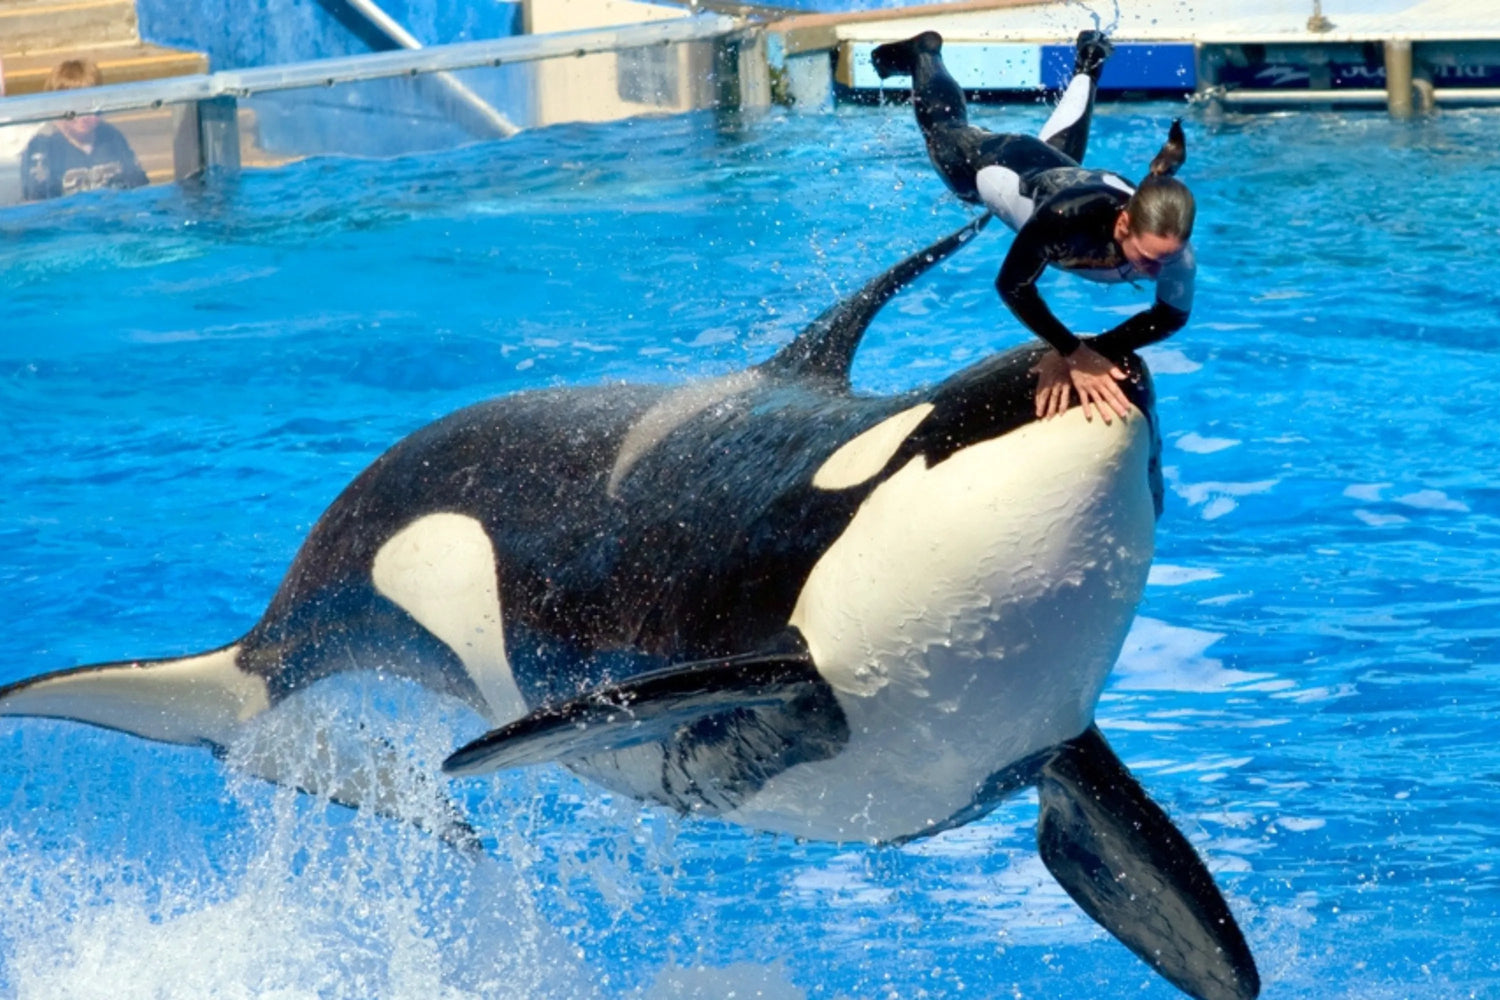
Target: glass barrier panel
165,140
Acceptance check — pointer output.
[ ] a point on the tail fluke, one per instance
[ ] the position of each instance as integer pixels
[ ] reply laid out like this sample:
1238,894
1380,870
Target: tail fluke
196,700
206,700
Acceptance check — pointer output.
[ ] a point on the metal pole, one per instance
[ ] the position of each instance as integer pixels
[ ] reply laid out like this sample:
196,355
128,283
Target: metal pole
1264,98
219,135
1398,77
351,69
393,30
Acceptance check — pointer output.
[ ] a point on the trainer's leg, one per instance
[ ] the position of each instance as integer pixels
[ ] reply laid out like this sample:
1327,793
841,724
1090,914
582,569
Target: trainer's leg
938,100
1068,127
1011,169
1001,191
936,96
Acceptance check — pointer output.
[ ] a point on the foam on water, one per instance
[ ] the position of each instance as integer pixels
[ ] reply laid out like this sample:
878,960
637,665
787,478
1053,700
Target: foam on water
288,896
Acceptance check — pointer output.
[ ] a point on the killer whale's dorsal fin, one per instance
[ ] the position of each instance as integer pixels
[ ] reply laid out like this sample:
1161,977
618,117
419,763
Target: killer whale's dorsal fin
643,709
825,349
1125,863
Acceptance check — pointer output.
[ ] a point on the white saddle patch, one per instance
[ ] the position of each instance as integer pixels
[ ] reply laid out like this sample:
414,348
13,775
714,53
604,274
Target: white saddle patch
864,456
672,412
440,569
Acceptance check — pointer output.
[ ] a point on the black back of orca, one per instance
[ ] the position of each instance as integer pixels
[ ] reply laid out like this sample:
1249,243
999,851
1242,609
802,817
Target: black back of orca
700,552
691,554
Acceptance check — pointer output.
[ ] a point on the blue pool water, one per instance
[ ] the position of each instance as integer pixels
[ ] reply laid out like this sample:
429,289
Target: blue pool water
1312,689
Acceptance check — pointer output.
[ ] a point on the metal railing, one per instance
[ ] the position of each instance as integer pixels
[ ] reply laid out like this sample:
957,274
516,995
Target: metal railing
1426,97
493,120
353,69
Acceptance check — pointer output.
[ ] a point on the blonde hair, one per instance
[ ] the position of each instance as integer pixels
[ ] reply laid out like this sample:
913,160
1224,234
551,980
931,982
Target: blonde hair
71,74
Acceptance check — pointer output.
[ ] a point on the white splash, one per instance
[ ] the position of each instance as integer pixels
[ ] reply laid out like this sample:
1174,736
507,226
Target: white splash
1169,361
299,900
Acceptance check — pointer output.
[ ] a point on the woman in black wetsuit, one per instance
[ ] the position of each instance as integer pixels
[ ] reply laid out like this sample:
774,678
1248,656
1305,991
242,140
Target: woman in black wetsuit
1093,223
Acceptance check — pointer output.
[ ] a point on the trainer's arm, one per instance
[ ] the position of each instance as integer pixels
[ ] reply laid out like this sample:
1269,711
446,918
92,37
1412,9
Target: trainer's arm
1147,327
1174,303
1016,283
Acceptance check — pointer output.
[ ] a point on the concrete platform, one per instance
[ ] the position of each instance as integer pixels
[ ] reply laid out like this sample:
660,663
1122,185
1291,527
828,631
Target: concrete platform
1273,21
999,48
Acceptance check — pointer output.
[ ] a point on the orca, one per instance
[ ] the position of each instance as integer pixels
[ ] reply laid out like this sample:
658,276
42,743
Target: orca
763,597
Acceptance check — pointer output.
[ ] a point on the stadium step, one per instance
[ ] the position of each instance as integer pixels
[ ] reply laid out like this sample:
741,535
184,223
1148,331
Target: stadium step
118,63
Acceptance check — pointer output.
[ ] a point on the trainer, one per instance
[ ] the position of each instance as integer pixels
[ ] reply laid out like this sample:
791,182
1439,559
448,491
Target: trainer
1093,223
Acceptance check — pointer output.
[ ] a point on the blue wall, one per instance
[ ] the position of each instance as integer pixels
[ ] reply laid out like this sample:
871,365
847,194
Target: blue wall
377,118
266,32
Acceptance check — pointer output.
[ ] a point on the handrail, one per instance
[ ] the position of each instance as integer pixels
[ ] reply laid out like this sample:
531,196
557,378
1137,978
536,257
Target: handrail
353,69
373,13
1364,95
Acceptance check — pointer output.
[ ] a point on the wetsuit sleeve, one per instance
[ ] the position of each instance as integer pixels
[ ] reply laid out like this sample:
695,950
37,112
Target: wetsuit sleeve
1154,324
1174,302
1028,257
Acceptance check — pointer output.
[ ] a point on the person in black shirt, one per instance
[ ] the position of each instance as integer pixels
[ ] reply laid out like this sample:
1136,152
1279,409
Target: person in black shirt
80,153
1093,223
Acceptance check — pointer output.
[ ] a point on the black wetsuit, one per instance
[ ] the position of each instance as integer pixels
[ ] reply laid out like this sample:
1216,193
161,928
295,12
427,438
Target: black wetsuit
1063,214
1073,229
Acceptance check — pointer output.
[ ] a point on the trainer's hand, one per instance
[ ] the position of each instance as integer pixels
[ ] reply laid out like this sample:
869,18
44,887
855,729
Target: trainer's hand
1096,379
1054,385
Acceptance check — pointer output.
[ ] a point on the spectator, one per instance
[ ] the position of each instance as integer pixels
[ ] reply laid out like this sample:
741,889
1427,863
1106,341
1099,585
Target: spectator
80,153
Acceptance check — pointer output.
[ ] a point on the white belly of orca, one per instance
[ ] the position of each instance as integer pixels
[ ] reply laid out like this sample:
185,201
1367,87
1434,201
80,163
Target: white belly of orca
966,619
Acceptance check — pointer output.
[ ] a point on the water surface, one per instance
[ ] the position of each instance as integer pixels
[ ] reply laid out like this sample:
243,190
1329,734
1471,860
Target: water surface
188,377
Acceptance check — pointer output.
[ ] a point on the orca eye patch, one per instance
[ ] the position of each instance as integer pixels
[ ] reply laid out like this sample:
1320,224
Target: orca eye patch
861,458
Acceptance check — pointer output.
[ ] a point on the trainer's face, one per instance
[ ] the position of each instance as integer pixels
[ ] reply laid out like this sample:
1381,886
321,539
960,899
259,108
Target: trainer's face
1147,252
